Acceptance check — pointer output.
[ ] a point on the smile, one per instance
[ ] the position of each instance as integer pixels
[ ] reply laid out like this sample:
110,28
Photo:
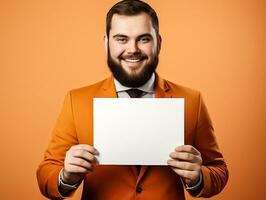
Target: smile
132,60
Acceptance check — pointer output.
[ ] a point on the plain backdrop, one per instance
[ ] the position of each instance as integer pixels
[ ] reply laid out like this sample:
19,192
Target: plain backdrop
49,47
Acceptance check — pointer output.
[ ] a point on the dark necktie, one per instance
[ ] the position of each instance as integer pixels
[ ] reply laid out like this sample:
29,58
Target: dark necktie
135,93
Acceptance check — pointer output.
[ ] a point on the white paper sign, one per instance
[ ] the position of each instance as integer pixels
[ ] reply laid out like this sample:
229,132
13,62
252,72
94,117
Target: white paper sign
137,131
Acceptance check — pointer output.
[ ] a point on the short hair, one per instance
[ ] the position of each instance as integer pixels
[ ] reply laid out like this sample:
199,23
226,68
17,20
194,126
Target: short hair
131,8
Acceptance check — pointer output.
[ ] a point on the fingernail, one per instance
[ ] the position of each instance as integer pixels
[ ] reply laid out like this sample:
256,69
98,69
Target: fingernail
96,151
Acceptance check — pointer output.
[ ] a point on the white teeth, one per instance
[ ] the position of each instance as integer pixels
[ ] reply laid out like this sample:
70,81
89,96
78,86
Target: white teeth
132,60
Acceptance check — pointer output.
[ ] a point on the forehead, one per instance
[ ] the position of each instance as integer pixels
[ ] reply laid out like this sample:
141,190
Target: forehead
131,25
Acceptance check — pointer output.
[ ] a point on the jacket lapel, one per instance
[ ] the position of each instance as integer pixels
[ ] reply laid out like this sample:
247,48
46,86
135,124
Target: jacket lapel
107,89
162,88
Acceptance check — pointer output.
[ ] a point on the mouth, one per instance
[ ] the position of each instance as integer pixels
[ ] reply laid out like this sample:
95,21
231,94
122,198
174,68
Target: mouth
133,64
132,60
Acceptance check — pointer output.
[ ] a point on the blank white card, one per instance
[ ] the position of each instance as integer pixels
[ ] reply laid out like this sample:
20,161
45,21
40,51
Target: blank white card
137,131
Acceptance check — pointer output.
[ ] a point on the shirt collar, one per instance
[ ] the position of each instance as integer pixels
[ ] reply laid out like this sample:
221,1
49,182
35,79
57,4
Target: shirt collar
147,87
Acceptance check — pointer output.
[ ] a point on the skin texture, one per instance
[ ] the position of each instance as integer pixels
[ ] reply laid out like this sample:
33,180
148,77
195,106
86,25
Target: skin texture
186,161
130,37
132,48
132,45
78,162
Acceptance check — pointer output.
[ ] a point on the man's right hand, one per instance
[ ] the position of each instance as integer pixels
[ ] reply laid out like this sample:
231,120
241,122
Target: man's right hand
79,161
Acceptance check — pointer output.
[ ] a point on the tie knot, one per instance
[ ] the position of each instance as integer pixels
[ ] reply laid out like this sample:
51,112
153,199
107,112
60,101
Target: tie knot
134,93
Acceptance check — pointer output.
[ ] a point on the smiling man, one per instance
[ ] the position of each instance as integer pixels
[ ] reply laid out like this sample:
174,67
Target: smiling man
133,44
133,47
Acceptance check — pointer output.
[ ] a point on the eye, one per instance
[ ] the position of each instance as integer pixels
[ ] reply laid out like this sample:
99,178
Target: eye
121,40
145,39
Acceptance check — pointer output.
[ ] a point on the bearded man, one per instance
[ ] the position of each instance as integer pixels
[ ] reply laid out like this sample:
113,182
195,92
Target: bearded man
133,44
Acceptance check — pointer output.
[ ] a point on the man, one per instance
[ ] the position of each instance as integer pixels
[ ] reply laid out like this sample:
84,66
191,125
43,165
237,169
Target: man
133,45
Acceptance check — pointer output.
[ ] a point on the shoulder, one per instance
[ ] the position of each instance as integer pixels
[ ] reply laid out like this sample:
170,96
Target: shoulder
90,90
182,89
178,90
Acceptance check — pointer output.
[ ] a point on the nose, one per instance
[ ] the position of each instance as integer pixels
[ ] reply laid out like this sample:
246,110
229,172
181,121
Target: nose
132,47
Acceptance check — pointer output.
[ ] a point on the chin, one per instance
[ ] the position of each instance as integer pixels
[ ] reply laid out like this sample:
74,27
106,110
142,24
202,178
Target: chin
130,75
134,72
134,69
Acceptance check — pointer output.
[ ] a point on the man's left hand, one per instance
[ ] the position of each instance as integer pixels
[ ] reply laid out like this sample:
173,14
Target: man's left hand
186,161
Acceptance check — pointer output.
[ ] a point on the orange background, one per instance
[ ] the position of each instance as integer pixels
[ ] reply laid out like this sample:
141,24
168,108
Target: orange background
48,47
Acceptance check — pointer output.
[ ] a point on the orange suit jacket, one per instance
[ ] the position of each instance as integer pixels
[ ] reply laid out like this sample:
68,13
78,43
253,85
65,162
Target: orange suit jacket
75,126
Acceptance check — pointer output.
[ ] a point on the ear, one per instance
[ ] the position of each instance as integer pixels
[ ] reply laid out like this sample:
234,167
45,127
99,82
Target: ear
105,40
159,43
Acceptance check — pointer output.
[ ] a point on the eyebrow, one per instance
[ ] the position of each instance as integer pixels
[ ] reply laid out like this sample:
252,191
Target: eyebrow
120,35
145,35
140,36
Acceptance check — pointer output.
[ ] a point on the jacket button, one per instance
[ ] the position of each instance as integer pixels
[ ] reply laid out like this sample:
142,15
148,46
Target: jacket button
139,189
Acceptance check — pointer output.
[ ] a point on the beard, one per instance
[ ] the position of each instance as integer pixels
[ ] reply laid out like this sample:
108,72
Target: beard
134,79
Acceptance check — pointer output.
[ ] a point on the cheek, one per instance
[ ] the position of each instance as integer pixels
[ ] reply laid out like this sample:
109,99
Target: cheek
116,50
149,50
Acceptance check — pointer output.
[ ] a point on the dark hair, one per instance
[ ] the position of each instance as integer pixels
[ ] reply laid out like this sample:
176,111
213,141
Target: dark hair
132,7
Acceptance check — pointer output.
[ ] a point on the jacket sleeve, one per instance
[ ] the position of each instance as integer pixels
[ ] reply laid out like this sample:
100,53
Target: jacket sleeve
214,169
63,137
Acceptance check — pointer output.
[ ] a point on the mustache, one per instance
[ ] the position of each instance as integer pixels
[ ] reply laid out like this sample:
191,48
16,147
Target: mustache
134,56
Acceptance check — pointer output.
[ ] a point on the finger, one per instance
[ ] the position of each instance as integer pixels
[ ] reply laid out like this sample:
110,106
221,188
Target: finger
85,147
187,148
76,169
184,165
80,165
81,153
191,175
184,156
